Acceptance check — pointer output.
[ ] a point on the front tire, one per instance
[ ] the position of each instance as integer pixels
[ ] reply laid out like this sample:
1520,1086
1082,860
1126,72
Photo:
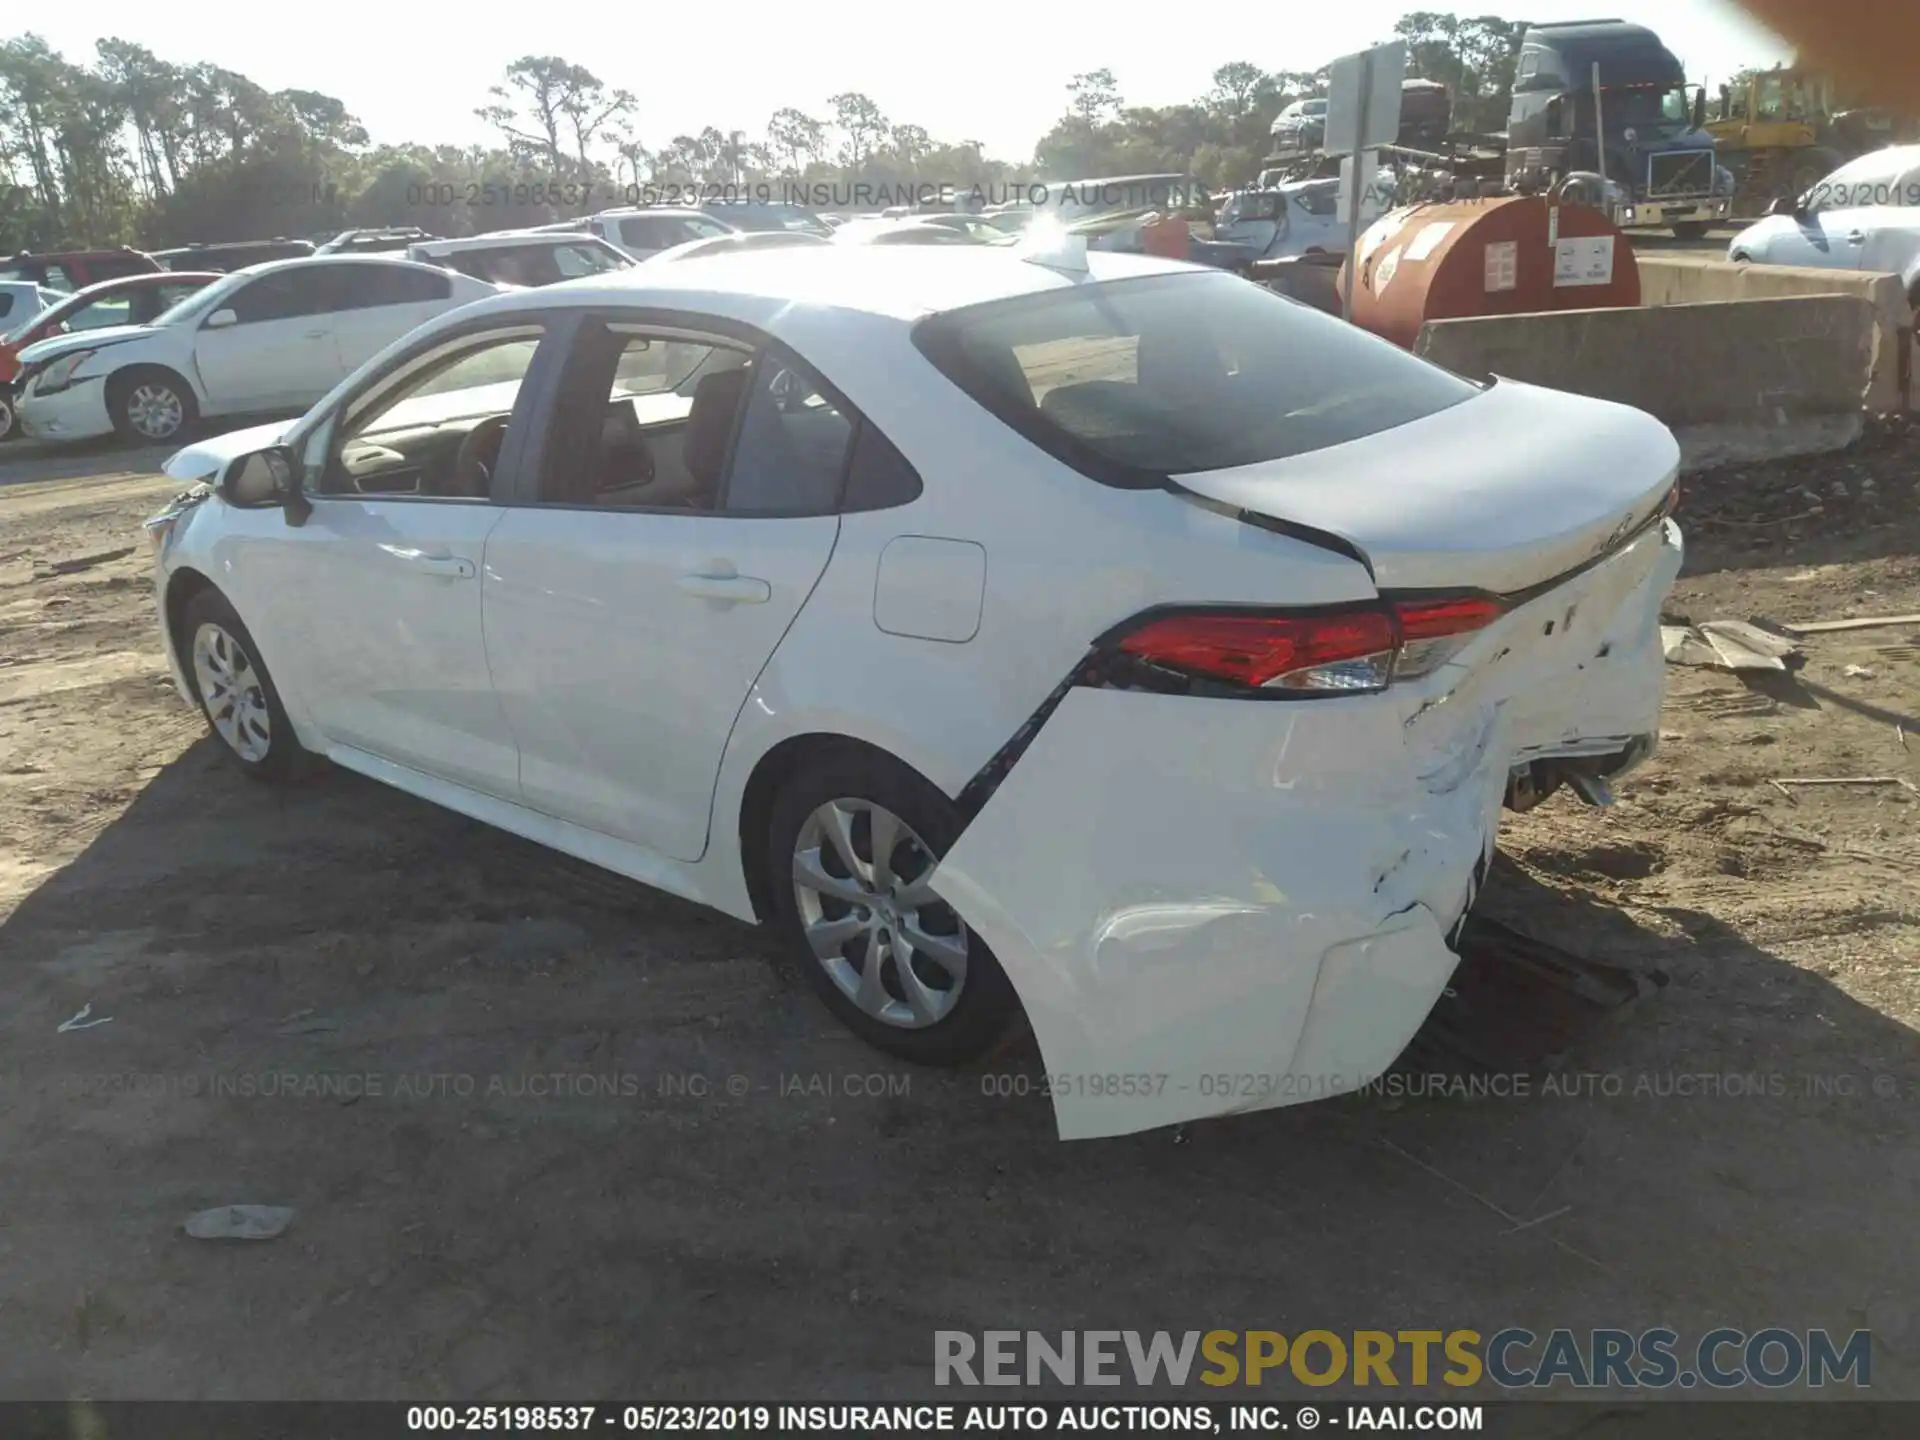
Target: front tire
236,694
852,842
151,406
9,415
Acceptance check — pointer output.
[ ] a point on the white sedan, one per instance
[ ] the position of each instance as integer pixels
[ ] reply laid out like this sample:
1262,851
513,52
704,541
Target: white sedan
1095,637
1864,216
271,337
1297,218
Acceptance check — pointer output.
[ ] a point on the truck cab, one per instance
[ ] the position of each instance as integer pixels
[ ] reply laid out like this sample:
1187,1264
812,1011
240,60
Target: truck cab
1656,148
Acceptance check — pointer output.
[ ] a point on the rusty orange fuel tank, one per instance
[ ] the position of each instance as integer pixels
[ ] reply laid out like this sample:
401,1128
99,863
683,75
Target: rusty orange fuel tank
1503,256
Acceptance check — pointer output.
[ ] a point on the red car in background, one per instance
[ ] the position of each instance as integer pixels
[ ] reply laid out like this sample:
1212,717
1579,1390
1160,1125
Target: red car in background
129,300
76,269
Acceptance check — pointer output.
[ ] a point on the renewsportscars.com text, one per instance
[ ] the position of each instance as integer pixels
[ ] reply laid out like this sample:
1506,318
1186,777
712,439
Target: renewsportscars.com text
1512,1358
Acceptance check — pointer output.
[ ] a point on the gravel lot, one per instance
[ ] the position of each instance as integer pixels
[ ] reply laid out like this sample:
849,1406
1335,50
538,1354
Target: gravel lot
580,1139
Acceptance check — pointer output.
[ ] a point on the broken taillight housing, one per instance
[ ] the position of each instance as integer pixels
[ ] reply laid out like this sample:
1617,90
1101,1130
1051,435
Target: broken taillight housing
1344,650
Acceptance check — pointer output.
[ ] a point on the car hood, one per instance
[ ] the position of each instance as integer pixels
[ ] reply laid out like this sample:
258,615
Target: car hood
205,459
1509,489
1762,231
53,349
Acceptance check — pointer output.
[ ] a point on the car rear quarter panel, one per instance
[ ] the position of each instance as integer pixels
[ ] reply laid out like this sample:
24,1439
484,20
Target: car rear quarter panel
1066,560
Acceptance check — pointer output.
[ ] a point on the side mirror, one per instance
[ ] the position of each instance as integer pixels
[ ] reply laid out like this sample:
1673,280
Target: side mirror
221,319
264,478
1699,108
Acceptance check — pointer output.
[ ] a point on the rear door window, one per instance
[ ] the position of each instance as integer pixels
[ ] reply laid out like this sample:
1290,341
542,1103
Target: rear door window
791,452
1135,380
287,294
367,287
572,261
110,310
649,232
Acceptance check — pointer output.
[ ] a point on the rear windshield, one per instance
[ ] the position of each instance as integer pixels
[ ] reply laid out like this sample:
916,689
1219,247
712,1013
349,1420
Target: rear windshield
539,263
1135,380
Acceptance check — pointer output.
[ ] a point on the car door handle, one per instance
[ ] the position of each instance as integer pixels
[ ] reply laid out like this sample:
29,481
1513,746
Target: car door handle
453,567
727,587
317,334
1856,238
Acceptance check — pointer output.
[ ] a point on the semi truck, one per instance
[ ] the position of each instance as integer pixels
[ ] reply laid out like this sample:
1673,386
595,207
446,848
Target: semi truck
1643,129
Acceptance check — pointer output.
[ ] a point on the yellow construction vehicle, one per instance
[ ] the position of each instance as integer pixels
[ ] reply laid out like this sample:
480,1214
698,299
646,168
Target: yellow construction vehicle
1780,130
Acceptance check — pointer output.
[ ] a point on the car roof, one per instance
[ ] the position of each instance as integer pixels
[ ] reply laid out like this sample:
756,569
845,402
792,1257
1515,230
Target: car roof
904,283
1894,161
503,239
303,262
191,246
150,277
667,212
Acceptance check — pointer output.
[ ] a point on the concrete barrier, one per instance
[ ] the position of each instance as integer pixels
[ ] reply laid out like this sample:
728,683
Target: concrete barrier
1735,380
1667,279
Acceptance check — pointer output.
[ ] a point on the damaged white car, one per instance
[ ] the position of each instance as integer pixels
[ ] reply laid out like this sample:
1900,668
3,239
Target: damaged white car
1095,638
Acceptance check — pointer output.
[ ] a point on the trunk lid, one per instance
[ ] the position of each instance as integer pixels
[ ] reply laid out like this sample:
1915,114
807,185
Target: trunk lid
1500,493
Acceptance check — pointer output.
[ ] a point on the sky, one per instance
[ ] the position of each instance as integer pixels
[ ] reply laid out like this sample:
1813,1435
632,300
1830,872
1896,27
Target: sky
988,70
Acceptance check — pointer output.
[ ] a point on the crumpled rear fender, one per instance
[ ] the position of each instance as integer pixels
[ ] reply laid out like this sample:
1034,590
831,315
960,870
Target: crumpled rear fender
1174,886
1216,905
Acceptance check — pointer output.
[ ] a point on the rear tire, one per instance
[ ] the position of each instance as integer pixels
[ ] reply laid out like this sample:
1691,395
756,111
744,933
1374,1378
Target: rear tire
151,406
236,694
9,418
890,959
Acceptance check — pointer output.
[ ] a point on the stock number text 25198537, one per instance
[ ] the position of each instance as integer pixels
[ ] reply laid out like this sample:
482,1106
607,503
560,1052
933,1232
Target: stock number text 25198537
486,194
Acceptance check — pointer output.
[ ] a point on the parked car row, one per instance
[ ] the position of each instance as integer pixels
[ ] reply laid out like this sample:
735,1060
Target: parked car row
119,341
273,337
128,356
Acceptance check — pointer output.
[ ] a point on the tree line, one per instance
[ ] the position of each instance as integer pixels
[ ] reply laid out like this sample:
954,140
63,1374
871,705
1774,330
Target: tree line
128,148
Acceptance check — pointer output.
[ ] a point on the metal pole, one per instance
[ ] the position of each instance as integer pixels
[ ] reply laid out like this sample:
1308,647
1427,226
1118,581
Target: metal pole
1600,141
1353,190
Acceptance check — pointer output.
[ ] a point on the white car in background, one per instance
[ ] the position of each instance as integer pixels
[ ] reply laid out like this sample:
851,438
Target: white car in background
1864,216
1092,636
737,241
642,231
21,300
1298,217
523,257
272,337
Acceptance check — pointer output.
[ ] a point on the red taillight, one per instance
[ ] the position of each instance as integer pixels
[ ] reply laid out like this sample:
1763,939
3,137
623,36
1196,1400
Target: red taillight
1433,619
1304,652
1357,650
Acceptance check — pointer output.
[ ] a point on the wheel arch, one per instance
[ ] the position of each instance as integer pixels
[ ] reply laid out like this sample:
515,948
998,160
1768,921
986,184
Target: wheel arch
182,586
116,382
125,374
780,763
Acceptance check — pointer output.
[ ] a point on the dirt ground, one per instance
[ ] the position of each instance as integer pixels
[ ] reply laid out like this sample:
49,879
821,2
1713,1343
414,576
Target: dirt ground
578,1139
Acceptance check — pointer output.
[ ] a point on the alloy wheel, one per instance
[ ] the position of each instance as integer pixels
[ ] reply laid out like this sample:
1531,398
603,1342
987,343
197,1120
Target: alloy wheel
155,411
230,686
889,943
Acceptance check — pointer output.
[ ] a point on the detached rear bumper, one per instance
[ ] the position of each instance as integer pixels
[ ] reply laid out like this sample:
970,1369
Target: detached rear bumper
1213,906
